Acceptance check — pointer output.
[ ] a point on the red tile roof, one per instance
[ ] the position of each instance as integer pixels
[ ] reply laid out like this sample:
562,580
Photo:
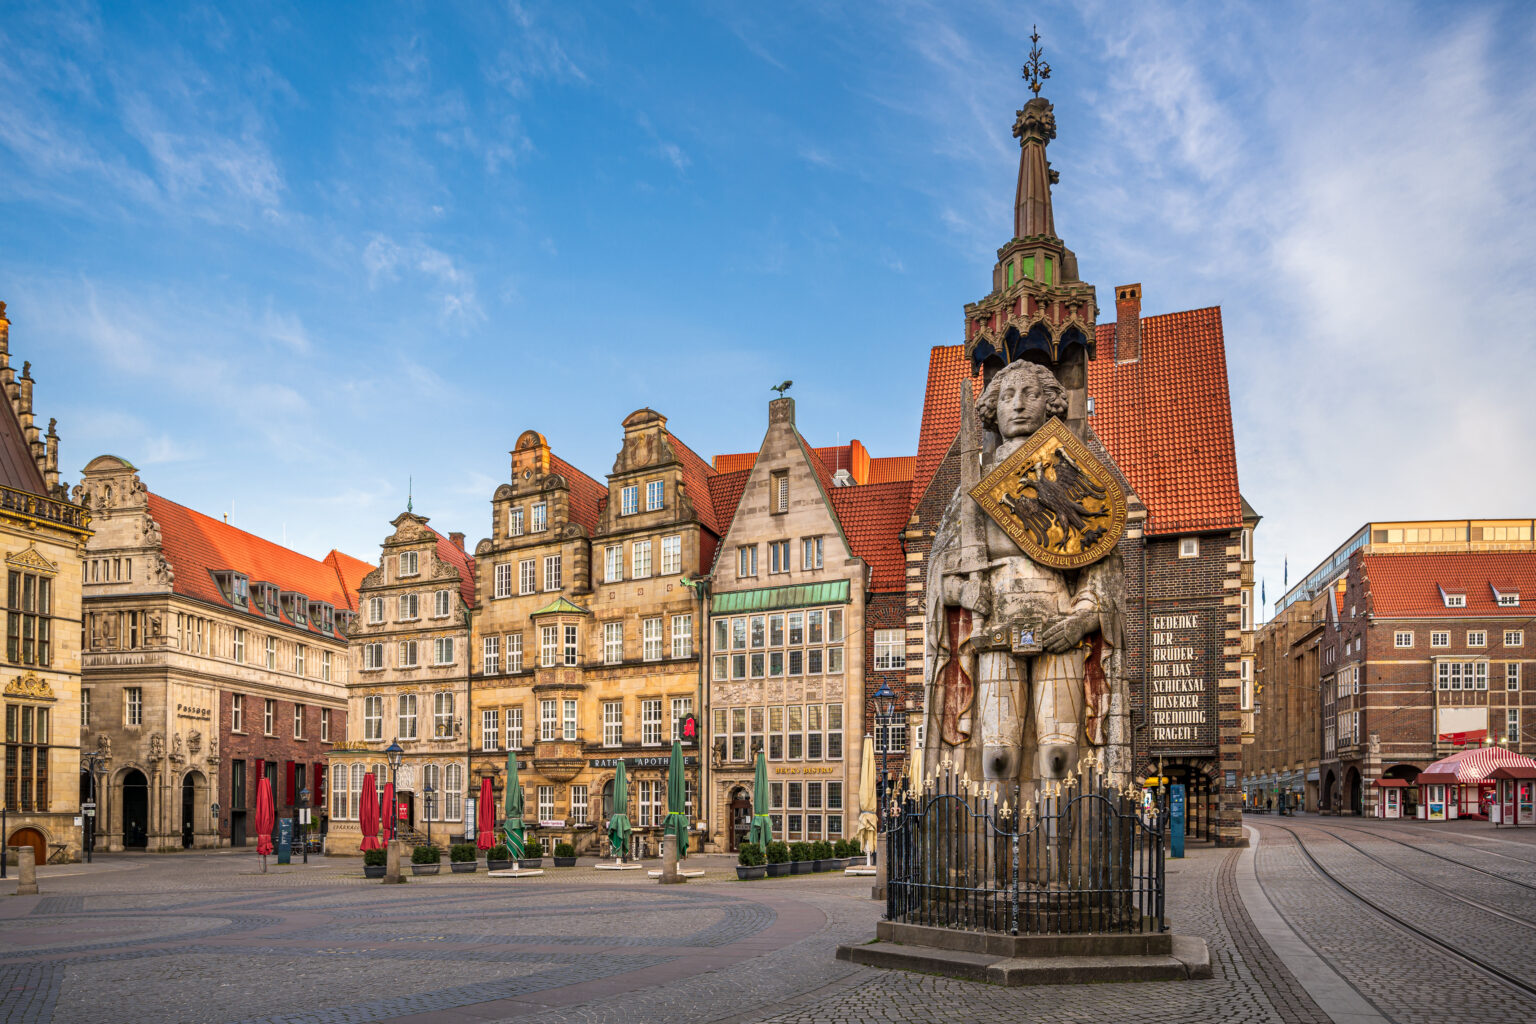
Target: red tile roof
697,476
734,463
725,494
877,471
891,469
350,571
587,495
873,517
455,556
947,367
197,546
1407,585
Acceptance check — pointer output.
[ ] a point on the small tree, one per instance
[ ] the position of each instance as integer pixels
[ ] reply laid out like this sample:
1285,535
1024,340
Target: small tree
564,850
778,852
750,855
426,854
374,858
461,853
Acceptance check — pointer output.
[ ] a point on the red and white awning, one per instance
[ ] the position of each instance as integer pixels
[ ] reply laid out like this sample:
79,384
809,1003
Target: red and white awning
1477,764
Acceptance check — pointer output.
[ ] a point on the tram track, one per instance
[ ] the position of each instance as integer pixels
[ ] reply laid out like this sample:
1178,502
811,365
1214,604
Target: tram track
1484,847
1477,963
1452,860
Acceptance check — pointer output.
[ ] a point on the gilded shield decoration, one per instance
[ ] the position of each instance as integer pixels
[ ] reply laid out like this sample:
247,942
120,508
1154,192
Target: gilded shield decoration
1059,503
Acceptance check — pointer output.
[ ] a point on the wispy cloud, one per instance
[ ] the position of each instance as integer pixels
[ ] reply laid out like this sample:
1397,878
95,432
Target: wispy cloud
454,288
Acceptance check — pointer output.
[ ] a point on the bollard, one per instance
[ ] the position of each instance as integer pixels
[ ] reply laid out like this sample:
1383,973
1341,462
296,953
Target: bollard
392,857
881,860
669,874
26,871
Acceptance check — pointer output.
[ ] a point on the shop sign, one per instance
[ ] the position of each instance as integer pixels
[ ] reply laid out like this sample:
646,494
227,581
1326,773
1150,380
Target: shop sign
640,762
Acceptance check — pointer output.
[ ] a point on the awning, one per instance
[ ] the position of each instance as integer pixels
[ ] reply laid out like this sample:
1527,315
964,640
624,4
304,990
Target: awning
769,598
1389,783
1514,771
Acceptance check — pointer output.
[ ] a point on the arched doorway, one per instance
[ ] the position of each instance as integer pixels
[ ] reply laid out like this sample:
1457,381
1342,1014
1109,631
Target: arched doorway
33,838
1352,794
135,809
740,804
1327,799
607,801
194,808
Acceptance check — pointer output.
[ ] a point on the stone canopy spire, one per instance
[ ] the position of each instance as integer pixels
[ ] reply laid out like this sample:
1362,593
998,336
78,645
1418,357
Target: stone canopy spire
1034,127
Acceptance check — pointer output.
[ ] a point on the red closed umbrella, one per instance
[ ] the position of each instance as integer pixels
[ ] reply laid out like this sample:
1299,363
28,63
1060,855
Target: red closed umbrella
390,814
485,815
266,819
368,815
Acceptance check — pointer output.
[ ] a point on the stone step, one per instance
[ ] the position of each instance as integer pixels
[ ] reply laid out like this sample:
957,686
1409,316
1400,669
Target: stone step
1190,959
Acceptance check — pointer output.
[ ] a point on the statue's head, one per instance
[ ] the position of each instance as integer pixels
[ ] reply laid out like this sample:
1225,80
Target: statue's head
1021,397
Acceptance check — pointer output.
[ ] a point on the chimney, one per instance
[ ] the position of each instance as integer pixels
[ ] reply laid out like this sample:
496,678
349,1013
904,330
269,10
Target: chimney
1127,323
457,540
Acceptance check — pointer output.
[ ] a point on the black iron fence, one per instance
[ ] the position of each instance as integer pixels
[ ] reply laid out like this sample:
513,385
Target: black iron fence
1075,855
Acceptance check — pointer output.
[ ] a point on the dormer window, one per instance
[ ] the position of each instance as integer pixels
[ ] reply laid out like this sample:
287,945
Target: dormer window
296,607
265,596
234,586
1505,595
323,615
1453,598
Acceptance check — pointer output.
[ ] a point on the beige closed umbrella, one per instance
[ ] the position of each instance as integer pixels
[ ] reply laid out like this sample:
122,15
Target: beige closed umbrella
868,822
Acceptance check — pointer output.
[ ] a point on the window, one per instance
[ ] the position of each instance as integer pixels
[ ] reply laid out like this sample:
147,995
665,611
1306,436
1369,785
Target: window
375,610
525,576
1245,696
1514,638
239,646
502,574
515,521
355,795
549,720
551,572
514,728
613,563
1455,600
442,715
408,608
568,720
810,555
682,707
650,723
237,713
300,659
1245,545
440,604
373,656
407,654
650,802
1477,638
540,516
653,492
1509,600
682,636
405,719
1402,638
269,717
651,635
1512,676
640,559
778,556
325,666
671,555
629,500
1461,675
85,708
490,656
298,721
272,653
613,643
835,732
549,645
490,728
796,732
407,563
1245,620
613,723
1440,639
578,805
339,791
1511,724
746,561
26,756
514,652
325,725
779,493
890,649
546,803
1189,547
442,650
571,645
372,717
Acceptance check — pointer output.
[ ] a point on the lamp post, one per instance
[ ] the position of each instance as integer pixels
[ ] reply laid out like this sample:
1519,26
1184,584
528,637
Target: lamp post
885,708
428,793
304,821
93,765
394,753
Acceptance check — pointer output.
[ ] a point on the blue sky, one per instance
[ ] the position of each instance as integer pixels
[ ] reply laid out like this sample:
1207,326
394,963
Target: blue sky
284,257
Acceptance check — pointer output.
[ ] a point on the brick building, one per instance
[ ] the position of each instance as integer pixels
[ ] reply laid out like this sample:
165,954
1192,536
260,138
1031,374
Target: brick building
212,657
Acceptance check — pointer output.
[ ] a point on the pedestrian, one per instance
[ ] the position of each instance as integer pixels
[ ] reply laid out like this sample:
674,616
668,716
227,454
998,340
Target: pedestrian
1269,804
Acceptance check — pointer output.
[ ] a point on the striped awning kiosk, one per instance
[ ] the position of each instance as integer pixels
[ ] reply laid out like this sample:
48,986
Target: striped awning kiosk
1439,795
1515,800
1469,771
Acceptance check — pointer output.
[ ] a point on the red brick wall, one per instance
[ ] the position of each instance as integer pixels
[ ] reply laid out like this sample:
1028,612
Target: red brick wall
280,748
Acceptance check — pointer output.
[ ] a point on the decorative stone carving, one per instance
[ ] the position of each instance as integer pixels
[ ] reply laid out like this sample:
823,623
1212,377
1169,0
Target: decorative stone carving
30,687
29,559
156,747
194,742
104,745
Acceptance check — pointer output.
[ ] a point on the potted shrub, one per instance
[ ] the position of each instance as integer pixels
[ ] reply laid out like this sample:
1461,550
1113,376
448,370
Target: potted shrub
847,850
533,855
498,858
374,862
778,859
800,859
750,861
426,860
461,858
565,855
821,850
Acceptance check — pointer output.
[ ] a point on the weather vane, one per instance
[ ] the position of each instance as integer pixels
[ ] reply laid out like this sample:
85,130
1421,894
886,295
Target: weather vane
1037,70
781,388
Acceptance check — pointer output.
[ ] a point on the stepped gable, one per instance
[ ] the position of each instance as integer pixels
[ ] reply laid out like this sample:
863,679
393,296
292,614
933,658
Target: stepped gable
197,546
350,572
873,517
587,495
1409,585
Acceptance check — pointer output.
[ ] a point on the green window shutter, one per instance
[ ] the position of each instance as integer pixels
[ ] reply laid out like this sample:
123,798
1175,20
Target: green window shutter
1048,267
1010,273
1029,267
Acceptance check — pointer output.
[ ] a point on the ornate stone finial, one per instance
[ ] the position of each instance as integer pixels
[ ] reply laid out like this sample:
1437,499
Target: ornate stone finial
1037,70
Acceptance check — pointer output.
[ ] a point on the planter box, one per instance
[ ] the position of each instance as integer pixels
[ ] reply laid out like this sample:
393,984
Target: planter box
373,870
498,865
426,869
778,870
801,867
744,872
527,864
463,867
565,862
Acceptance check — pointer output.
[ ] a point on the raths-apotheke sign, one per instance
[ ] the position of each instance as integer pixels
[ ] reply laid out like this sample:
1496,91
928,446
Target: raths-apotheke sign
1180,687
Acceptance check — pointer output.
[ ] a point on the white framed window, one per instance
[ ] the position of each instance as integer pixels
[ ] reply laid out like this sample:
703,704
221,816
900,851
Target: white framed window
1508,600
490,728
640,559
1461,675
514,728
671,555
653,495
613,643
355,794
1477,638
373,718
568,720
650,723
325,666
578,805
442,715
239,646
502,575
515,521
650,792
339,792
651,634
810,553
613,723
490,655
408,564
442,650
549,720
1439,638
540,516
440,604
572,645
453,792
409,608
236,713
1402,638
1245,545
375,610
682,636
1514,638
1512,676
373,656
546,803
1512,724
407,654
514,652
405,720
85,708
1189,547
779,492
890,649
1245,668
1455,600
629,500
298,721
526,576
269,717
613,563
746,560
1245,618
778,556
272,653
325,725
551,572
549,645
682,707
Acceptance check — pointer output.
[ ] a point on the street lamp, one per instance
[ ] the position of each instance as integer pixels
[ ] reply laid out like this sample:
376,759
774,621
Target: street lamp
885,708
94,760
394,753
428,792
303,816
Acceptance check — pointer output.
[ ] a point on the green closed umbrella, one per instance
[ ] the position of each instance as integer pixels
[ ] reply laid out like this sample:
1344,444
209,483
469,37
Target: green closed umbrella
512,809
618,825
677,797
761,832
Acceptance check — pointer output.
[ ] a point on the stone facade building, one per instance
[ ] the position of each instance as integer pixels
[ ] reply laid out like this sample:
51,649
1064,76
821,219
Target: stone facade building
212,657
42,537
410,661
